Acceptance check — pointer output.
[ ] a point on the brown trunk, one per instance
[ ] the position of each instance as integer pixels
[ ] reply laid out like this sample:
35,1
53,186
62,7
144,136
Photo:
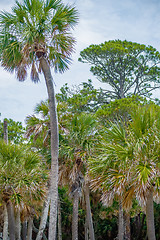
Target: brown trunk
150,216
75,216
54,149
88,212
11,220
30,227
127,227
24,230
120,222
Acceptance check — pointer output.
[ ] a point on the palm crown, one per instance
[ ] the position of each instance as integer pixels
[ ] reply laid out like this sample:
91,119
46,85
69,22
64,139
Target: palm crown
37,28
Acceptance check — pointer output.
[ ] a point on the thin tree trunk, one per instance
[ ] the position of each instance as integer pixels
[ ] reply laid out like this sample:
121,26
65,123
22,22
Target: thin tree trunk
5,130
127,226
18,225
24,230
43,218
75,216
140,226
11,220
88,212
5,224
36,231
54,149
59,221
30,228
120,222
86,229
150,216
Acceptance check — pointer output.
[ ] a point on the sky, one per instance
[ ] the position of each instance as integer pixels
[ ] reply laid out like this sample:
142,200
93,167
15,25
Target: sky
99,21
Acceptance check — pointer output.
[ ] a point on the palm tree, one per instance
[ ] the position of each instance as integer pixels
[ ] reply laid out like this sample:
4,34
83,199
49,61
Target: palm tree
110,170
145,129
128,162
37,34
38,125
77,137
22,180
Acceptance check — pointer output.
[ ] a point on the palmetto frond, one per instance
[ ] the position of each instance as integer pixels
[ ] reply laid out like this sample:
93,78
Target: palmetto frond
23,177
127,159
37,28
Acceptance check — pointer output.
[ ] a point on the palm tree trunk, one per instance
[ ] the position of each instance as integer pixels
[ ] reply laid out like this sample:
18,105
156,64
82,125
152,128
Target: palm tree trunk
86,229
30,228
5,130
43,218
75,216
150,216
11,220
120,222
24,230
59,221
5,224
88,212
127,227
54,148
18,225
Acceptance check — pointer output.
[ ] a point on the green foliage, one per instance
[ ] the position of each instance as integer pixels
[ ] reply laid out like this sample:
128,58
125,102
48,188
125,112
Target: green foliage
127,162
15,131
81,98
128,67
23,176
119,109
34,29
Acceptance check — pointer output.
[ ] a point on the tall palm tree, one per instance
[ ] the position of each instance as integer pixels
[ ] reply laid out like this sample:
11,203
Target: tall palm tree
22,180
37,34
77,137
110,170
145,129
76,134
131,151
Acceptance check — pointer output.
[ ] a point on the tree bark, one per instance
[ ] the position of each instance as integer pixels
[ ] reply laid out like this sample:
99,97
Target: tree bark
75,216
88,212
59,221
30,228
5,224
120,222
86,229
24,230
18,225
5,130
127,226
54,148
150,216
11,220
36,231
43,218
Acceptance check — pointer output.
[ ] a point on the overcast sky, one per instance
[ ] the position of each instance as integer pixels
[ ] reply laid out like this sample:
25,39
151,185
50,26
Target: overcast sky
100,20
